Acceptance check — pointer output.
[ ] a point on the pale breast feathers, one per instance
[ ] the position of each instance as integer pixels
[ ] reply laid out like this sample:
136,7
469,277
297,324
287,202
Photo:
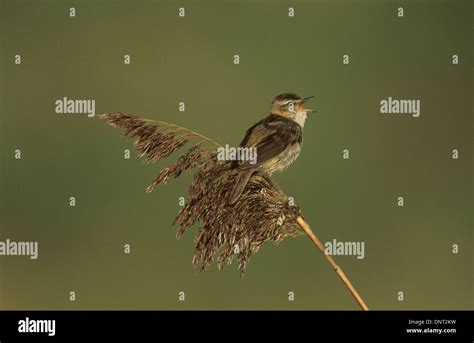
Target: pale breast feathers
276,139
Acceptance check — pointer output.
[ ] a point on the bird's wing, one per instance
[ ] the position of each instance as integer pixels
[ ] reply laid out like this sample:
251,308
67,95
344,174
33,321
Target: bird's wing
270,137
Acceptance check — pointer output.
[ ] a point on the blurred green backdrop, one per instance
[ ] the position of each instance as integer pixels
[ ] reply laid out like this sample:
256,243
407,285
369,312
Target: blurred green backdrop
190,59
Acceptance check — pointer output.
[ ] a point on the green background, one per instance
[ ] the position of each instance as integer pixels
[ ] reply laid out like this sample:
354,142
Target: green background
190,59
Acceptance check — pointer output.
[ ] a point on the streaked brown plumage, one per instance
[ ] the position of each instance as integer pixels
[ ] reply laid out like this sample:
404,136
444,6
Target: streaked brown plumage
277,138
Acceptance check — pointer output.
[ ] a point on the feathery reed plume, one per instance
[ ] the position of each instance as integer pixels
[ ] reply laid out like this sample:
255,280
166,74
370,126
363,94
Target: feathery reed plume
262,213
154,139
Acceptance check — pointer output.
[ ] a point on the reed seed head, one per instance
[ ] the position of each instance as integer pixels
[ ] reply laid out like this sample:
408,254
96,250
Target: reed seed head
262,213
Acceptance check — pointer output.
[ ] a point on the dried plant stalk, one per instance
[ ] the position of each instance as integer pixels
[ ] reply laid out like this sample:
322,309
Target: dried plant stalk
262,213
301,222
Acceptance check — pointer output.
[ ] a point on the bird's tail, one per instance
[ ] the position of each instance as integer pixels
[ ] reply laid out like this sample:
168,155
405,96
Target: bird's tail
242,179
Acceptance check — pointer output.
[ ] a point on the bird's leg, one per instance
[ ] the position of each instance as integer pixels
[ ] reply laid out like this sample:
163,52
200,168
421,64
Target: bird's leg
272,182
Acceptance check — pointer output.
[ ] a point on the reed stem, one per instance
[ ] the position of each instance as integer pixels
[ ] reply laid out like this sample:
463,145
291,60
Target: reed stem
306,228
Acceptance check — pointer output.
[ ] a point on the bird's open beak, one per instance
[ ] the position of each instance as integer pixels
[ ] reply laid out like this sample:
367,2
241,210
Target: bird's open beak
303,101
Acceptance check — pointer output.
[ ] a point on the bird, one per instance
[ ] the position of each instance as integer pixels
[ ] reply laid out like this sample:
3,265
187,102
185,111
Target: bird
278,139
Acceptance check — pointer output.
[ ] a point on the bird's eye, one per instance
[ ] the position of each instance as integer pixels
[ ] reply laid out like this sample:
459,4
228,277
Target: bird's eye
291,106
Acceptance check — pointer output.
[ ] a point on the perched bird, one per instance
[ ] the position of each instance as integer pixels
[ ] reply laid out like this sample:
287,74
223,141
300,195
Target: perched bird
277,139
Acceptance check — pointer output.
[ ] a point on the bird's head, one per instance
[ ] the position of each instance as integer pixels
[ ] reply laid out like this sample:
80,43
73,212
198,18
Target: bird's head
291,106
